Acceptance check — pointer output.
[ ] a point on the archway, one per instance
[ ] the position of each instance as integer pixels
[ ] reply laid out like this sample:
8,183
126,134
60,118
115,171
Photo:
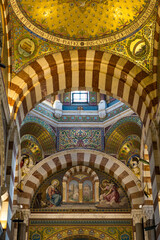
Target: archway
83,69
95,159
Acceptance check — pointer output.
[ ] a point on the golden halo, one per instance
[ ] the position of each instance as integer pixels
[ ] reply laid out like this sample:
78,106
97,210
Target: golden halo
55,180
105,181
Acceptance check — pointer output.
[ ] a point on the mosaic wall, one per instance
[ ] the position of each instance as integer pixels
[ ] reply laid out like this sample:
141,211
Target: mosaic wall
70,138
136,46
67,98
81,229
51,130
80,193
131,119
93,98
74,118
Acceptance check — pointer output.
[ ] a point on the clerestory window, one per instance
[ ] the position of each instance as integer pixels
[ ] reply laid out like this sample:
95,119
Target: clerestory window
80,97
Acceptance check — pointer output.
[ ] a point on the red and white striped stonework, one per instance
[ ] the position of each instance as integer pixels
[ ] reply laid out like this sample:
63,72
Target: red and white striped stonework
93,159
154,179
78,170
83,69
10,177
16,181
146,178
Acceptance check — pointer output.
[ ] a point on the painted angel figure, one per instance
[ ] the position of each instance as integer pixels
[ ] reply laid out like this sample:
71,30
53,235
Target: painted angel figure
110,192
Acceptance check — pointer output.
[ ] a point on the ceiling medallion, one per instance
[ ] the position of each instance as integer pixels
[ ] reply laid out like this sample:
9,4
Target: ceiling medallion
83,23
138,48
26,47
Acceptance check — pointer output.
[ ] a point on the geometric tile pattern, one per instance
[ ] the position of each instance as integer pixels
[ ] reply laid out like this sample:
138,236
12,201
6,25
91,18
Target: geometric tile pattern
81,229
82,118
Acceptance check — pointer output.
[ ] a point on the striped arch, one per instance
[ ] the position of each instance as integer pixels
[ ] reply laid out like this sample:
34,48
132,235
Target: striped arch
80,169
156,46
94,159
83,69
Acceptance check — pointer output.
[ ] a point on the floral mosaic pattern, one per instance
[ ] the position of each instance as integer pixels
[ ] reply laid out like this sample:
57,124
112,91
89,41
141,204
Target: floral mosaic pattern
92,98
91,138
82,229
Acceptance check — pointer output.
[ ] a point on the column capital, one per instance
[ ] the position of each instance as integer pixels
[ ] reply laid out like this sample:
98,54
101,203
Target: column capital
148,212
26,214
137,215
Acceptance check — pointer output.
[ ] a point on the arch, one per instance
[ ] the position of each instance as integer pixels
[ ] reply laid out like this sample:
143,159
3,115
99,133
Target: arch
83,69
83,157
80,169
85,171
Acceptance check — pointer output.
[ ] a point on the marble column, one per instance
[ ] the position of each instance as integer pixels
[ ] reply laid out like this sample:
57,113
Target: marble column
96,191
64,192
137,215
26,214
80,192
21,235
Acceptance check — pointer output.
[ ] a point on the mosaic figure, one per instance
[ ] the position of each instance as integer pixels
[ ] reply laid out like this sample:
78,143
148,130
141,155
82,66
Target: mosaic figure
87,191
134,166
26,165
73,191
53,196
110,192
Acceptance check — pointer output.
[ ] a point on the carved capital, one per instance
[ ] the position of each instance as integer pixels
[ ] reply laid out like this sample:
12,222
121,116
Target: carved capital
137,215
26,214
148,212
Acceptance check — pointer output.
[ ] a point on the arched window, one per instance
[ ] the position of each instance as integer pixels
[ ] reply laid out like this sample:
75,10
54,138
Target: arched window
80,185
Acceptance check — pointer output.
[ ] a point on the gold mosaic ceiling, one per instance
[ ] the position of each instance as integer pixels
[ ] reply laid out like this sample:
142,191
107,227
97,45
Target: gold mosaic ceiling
41,134
119,135
85,19
121,27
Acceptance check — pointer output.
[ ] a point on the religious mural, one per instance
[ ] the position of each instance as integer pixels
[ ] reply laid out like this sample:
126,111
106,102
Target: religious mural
73,191
26,165
111,195
53,196
69,191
